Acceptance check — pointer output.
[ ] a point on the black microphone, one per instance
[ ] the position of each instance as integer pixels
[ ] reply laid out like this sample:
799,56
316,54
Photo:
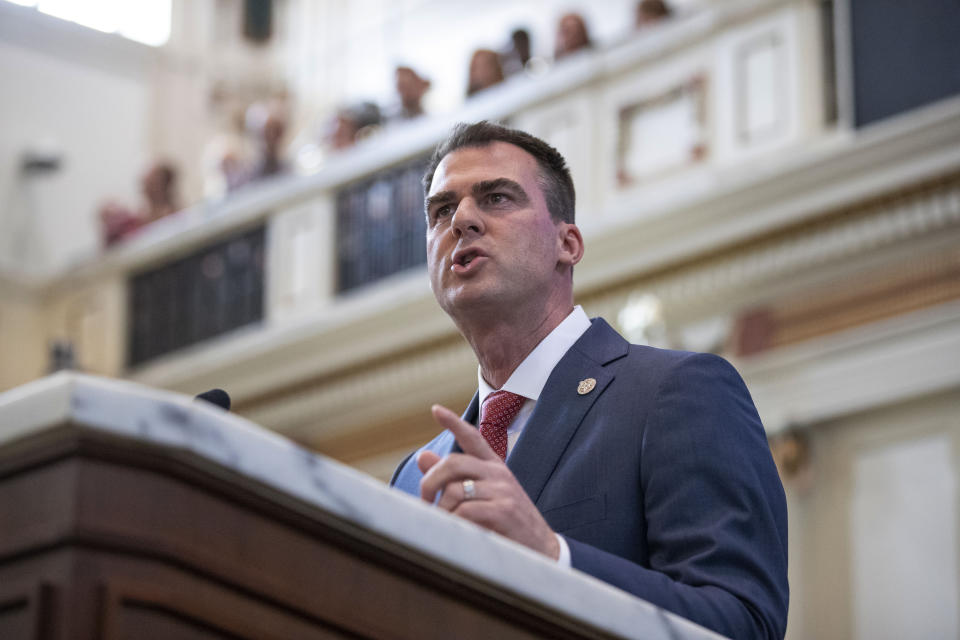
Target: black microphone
218,397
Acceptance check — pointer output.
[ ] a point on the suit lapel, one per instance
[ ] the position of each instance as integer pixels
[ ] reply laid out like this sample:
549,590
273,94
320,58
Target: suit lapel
561,409
471,415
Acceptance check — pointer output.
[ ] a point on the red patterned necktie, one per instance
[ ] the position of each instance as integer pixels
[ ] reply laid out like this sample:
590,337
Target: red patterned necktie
496,414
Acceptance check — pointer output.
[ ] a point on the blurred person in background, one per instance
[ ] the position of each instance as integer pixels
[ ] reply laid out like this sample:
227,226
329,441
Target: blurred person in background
354,123
158,188
117,222
226,157
411,87
572,35
256,153
485,71
650,12
344,129
516,54
270,161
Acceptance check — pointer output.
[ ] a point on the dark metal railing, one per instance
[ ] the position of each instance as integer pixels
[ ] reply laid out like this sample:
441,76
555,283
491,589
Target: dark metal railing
212,291
380,230
380,226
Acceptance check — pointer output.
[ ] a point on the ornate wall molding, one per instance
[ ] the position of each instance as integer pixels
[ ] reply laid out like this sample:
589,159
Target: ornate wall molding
710,282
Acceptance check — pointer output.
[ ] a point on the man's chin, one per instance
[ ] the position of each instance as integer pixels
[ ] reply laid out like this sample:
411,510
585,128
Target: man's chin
469,300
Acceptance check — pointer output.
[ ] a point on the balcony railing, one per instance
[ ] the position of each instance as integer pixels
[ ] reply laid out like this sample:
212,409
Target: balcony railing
203,295
380,225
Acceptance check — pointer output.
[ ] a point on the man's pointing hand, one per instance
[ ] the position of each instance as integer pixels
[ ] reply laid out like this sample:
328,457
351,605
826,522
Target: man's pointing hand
498,501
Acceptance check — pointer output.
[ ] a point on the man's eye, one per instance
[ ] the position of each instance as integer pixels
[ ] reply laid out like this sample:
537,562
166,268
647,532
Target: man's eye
441,211
497,198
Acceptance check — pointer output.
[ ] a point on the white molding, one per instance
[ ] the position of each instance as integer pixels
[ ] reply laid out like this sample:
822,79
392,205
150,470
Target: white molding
260,358
724,207
886,224
880,364
401,387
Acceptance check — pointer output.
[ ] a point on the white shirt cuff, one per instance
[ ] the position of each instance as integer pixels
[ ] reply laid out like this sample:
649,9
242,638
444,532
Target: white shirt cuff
564,559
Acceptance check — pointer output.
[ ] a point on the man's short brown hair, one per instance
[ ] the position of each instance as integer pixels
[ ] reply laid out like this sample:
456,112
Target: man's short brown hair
555,180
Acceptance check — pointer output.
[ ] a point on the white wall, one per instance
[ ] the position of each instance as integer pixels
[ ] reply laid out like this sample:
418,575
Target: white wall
904,540
84,96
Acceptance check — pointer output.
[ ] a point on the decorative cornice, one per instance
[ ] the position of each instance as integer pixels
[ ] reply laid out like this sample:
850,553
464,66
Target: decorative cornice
890,361
376,393
884,221
918,282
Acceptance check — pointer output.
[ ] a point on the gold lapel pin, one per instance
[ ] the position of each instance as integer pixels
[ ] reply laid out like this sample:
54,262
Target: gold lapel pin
586,386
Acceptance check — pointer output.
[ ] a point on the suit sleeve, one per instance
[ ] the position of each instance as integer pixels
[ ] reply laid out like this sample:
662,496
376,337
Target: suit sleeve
714,508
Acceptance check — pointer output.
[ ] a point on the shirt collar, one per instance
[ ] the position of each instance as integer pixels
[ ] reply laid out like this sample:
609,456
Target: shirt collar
529,378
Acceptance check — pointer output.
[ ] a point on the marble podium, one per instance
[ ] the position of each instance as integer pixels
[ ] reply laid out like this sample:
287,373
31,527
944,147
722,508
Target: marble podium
127,512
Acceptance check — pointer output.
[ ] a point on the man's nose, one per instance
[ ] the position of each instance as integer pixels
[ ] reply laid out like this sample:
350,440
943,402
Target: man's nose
467,218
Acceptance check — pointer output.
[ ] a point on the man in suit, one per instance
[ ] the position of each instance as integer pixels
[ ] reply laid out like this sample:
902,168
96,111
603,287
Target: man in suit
646,468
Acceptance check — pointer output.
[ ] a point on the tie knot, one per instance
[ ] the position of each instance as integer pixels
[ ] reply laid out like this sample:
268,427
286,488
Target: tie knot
501,406
496,414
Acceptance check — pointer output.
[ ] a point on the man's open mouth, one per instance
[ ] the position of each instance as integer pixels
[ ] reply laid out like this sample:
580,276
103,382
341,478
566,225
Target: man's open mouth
464,257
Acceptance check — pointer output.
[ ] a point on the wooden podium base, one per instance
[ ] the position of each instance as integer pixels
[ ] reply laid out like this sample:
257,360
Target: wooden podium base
104,537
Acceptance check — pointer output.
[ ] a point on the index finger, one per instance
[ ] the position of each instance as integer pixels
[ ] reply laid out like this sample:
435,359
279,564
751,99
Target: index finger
467,435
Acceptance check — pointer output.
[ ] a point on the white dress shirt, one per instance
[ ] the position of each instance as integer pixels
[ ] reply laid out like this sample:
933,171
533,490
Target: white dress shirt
529,378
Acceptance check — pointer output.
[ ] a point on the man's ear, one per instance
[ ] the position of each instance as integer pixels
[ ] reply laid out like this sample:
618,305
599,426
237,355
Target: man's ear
571,244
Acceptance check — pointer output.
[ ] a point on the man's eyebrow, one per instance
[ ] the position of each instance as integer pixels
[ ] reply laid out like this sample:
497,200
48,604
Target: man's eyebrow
478,189
438,198
505,184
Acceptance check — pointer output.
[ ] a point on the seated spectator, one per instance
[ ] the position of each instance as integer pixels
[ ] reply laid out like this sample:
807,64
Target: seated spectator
651,11
353,124
516,55
157,186
485,71
411,88
572,35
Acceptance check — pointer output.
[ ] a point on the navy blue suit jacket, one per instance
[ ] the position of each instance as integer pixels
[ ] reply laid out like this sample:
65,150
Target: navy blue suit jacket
660,480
